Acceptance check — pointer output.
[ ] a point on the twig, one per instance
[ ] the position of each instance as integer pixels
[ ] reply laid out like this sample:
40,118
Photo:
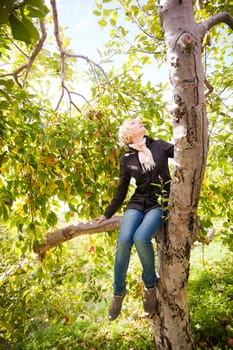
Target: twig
13,269
209,87
90,62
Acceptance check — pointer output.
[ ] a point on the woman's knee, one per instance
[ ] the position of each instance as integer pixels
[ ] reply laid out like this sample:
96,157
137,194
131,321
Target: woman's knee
141,240
124,243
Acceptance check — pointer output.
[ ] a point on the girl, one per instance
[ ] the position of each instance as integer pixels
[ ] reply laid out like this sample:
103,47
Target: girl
146,160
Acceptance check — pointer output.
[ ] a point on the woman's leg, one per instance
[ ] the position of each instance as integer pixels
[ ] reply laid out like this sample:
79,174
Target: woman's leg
131,220
149,226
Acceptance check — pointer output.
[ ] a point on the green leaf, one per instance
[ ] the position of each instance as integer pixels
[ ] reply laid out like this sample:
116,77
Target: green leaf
96,13
35,12
5,94
5,9
9,83
121,98
102,22
38,4
52,219
107,12
113,22
19,31
33,32
36,8
134,10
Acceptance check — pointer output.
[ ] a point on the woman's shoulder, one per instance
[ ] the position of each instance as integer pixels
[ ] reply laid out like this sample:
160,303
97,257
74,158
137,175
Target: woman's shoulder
160,142
127,154
127,157
163,147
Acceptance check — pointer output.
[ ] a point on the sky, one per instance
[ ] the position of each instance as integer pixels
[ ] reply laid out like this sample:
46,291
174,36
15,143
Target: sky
81,26
76,17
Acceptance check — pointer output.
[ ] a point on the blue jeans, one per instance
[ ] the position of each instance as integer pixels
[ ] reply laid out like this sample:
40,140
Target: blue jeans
137,227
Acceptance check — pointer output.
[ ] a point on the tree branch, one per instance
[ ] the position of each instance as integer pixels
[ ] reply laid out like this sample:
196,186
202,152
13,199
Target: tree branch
58,39
90,62
223,17
27,66
209,87
63,55
12,270
69,232
36,50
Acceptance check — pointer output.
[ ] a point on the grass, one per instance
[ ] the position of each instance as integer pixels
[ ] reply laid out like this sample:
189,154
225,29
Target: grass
75,300
211,296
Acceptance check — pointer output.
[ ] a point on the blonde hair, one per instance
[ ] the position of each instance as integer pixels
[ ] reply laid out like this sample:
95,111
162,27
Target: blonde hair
124,132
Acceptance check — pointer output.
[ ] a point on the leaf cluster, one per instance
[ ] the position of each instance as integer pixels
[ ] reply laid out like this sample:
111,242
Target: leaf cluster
19,17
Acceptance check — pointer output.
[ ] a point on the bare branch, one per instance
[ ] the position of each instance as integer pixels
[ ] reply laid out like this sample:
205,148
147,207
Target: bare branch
13,269
19,49
63,55
80,95
209,87
72,231
70,99
60,99
17,72
223,17
36,50
58,39
27,66
91,62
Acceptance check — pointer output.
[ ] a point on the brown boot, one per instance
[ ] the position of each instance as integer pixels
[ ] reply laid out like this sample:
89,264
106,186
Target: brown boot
149,300
115,308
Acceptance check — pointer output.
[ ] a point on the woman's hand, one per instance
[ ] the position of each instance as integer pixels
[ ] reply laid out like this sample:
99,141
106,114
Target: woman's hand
99,220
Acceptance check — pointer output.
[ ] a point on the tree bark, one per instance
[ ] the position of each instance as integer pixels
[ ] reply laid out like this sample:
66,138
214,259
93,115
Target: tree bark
52,239
183,39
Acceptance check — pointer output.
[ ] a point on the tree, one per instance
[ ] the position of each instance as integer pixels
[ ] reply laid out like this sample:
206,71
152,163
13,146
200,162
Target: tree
183,38
39,169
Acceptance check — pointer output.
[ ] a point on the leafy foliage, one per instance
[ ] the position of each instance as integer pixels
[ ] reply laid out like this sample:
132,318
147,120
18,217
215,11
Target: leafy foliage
19,17
210,297
64,300
55,167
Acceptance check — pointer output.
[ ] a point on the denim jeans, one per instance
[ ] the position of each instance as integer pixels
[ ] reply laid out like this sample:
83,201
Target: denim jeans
139,228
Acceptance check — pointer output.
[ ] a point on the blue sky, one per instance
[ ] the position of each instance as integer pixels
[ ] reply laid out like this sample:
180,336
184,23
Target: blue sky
87,36
81,26
76,17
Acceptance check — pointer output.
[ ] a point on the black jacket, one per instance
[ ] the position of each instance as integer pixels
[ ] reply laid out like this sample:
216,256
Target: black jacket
150,185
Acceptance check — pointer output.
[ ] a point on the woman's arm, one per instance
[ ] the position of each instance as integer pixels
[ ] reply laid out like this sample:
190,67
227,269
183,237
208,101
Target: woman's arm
121,191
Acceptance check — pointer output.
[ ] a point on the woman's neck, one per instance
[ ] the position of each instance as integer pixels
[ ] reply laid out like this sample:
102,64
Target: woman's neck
138,139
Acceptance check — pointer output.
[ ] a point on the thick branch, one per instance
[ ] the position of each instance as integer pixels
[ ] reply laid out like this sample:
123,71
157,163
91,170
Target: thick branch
223,17
69,232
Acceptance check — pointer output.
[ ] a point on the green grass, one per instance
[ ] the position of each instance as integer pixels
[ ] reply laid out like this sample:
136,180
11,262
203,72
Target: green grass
64,303
211,296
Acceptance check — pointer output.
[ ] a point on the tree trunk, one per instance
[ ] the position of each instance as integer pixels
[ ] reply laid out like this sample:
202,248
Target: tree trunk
183,38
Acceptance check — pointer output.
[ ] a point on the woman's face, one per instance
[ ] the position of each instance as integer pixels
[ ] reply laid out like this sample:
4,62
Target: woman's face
137,130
